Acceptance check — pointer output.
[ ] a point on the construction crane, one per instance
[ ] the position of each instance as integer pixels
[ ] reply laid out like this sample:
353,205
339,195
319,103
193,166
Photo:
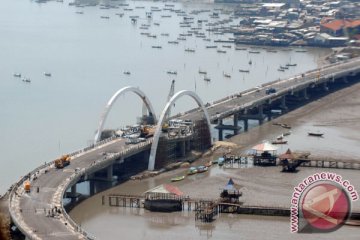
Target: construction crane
171,93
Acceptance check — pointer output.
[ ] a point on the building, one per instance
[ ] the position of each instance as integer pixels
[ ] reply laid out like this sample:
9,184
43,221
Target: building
341,27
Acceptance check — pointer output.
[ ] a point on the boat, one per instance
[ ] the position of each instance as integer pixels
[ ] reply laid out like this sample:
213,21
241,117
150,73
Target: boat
47,74
157,47
281,70
220,161
189,50
173,42
291,64
202,72
177,179
250,62
171,72
284,125
240,49
254,52
301,51
207,79
17,74
211,46
127,72
79,12
105,17
315,134
280,137
192,170
226,46
221,51
286,133
208,164
244,71
279,142
227,75
27,80
201,169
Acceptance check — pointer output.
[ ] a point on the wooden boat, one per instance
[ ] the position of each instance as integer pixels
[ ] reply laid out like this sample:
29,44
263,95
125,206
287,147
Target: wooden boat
192,171
201,169
177,179
157,46
127,72
47,74
207,79
227,75
189,50
286,133
279,142
315,134
284,125
171,72
254,52
208,164
17,74
244,71
202,72
280,137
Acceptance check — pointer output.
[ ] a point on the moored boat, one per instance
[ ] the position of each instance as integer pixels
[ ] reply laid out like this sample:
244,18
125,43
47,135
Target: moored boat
177,179
279,142
315,134
201,169
192,170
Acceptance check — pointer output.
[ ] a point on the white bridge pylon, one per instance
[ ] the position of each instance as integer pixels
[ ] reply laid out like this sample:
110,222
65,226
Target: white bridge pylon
113,99
162,118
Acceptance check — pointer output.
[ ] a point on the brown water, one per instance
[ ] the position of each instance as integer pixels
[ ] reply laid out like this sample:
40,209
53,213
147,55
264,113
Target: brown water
335,115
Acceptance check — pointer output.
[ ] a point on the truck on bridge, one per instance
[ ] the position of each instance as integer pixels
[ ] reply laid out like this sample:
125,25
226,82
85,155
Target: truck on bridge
62,162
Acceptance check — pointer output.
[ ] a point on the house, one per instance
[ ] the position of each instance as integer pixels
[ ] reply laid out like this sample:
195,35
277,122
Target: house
341,27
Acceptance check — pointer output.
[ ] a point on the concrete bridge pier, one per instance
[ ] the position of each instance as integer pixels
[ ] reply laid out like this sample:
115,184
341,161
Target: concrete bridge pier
325,86
182,148
283,103
221,127
109,173
305,94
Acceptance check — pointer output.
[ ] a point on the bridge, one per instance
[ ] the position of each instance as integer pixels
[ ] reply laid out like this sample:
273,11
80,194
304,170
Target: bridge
40,214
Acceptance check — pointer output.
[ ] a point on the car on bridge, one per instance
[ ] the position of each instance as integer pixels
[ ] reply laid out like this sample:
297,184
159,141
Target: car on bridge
270,90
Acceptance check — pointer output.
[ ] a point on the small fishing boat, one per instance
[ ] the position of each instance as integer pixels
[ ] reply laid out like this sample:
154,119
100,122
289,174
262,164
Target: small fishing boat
254,52
173,42
244,71
281,70
171,72
315,134
221,51
227,75
27,80
177,179
221,161
279,142
226,46
127,72
201,169
250,62
286,133
207,79
192,170
240,49
291,64
189,50
202,72
47,74
105,17
284,125
280,137
17,74
208,164
159,47
212,46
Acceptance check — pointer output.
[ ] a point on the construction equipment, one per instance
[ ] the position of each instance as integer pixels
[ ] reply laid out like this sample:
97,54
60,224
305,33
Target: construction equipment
27,186
63,161
147,131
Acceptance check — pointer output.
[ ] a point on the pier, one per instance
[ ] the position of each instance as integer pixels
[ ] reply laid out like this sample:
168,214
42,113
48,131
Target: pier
99,161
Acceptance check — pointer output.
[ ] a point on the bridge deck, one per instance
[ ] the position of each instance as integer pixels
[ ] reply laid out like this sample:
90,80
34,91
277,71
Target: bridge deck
28,210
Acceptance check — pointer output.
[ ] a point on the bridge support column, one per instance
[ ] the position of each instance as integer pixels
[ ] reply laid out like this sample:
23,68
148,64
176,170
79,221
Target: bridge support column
305,94
91,188
109,173
236,123
182,149
187,146
73,190
246,124
261,114
325,85
283,103
220,131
